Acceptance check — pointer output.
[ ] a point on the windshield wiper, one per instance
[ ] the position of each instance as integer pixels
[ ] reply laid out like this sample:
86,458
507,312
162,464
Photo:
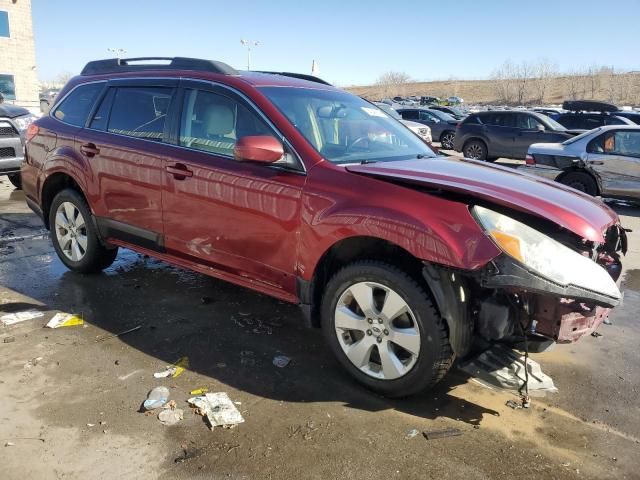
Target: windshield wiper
364,162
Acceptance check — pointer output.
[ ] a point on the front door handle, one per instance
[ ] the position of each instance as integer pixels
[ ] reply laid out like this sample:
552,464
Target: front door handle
89,149
596,162
179,171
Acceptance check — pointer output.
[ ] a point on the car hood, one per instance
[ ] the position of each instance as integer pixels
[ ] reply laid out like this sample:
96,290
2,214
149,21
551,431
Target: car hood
583,215
413,125
11,111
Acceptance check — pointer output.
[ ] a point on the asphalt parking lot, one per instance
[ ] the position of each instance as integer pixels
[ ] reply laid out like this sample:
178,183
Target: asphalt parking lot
73,403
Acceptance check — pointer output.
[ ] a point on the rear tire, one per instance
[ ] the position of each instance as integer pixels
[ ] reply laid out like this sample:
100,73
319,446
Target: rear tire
581,181
394,354
74,235
16,180
447,139
475,149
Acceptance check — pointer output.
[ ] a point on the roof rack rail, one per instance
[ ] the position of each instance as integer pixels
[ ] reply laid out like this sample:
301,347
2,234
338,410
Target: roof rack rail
301,76
120,65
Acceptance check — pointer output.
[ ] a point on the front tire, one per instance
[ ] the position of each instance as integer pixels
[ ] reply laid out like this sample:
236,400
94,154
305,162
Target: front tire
74,234
447,139
384,329
15,180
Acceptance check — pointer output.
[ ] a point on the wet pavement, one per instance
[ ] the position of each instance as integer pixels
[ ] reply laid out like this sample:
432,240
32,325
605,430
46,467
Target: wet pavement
306,420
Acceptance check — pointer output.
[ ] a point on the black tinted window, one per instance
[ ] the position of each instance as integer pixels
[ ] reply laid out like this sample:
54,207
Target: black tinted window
213,123
613,120
527,122
99,121
409,114
75,108
140,112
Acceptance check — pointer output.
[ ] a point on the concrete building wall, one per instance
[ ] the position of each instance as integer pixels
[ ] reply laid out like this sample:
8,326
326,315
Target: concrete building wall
17,52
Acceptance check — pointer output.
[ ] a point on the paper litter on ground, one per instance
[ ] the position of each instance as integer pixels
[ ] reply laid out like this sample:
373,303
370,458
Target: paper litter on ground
61,319
218,408
17,317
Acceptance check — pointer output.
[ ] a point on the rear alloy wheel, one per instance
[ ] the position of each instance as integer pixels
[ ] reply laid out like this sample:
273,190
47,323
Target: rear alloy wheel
581,181
475,149
383,328
74,234
446,140
16,180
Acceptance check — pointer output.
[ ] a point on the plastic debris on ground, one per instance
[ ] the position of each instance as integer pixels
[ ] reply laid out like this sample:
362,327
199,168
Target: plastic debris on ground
281,361
17,317
513,404
64,320
450,432
412,433
502,367
174,370
170,416
218,408
199,391
156,398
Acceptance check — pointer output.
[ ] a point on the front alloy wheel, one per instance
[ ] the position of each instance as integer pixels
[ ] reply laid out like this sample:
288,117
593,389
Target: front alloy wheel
384,329
446,141
377,330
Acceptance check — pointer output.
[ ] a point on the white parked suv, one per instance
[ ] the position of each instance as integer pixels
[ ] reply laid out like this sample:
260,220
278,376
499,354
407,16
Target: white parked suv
419,129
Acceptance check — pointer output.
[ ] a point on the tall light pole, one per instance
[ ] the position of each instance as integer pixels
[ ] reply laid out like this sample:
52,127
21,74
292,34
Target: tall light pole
118,51
249,44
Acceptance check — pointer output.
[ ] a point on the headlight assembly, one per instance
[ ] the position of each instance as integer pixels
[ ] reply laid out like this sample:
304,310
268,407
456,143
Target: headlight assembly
545,256
23,122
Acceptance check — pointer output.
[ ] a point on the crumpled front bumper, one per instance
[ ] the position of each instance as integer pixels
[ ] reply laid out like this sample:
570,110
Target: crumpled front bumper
563,313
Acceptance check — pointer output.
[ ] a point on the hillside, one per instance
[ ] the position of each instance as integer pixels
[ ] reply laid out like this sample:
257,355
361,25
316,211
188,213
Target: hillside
623,89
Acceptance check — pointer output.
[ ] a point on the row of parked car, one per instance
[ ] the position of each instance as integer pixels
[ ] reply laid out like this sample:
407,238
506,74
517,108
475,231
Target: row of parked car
591,146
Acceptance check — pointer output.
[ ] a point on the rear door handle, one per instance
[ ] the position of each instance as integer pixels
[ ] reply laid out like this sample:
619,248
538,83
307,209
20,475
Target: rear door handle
596,162
89,149
179,171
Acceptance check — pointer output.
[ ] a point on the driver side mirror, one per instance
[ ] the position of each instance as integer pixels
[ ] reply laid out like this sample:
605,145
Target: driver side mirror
540,128
258,148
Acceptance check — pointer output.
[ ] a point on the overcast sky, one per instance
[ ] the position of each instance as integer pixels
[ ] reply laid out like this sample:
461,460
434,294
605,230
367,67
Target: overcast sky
353,42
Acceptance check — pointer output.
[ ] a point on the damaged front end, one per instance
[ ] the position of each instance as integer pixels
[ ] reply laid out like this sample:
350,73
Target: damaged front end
547,282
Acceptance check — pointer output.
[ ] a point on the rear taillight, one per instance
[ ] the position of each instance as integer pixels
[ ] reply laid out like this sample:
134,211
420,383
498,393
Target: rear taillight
458,125
530,159
32,131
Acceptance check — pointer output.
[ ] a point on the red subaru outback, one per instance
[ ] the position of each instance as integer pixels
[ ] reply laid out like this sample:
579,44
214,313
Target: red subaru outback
284,184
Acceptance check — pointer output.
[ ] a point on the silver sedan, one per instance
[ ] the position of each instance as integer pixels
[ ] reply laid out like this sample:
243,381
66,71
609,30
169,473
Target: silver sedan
604,161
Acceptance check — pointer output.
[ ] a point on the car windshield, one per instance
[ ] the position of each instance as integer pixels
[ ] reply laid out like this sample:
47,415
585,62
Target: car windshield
555,125
581,136
388,110
457,111
344,128
445,117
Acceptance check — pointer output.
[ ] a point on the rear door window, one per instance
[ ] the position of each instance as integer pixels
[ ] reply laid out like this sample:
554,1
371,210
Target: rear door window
75,108
527,122
409,114
139,112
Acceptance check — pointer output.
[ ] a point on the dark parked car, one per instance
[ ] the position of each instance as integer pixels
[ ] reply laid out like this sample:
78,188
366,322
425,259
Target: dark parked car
443,125
427,100
490,135
587,115
281,183
629,115
455,112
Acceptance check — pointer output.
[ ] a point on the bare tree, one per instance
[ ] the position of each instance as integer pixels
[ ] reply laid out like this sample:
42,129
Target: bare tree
573,84
524,77
393,83
544,71
503,79
594,74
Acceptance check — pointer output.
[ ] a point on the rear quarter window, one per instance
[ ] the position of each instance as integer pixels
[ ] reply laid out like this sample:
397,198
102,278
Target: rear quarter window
75,107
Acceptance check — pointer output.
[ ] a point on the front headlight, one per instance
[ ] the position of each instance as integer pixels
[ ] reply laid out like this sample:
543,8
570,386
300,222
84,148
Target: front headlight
545,256
23,122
